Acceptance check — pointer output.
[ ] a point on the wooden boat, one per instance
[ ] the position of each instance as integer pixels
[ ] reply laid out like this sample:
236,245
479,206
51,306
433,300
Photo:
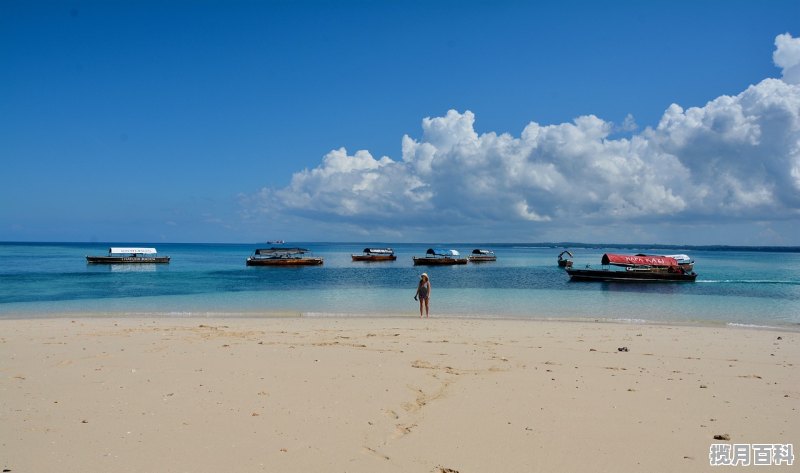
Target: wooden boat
565,261
282,257
375,254
439,257
128,256
482,256
636,268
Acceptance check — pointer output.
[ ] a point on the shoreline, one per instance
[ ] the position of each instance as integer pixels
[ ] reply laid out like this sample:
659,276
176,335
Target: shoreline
363,394
292,314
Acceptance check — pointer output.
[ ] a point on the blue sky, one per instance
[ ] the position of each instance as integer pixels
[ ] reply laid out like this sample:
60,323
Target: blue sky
246,121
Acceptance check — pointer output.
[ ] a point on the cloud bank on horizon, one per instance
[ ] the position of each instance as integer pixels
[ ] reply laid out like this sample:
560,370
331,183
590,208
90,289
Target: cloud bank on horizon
736,159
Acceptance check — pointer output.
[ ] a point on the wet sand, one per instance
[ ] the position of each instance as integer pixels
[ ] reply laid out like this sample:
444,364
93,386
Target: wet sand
386,394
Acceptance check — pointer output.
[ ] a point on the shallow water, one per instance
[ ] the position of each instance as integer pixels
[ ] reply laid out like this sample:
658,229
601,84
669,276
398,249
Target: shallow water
733,287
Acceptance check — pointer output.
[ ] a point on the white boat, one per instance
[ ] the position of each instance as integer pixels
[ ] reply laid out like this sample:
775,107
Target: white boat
684,261
126,255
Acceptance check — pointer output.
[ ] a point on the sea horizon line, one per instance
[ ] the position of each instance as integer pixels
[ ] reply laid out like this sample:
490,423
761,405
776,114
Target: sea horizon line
545,244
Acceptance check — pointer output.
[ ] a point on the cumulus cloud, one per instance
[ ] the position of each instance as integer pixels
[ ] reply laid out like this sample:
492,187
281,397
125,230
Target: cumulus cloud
787,57
736,157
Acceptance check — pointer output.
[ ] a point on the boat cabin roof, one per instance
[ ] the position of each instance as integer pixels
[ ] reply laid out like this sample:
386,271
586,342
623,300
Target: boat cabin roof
132,251
441,252
478,251
638,260
281,251
379,251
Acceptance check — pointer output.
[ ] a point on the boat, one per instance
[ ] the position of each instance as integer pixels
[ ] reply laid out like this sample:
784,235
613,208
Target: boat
480,256
565,261
635,268
684,261
128,256
282,257
439,257
375,254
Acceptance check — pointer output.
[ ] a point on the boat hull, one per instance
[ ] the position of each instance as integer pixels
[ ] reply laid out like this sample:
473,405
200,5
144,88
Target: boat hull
438,261
482,259
283,261
373,257
629,276
126,259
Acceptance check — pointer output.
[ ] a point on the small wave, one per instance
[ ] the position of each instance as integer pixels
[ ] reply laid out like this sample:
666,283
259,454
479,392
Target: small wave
741,325
622,320
747,281
318,314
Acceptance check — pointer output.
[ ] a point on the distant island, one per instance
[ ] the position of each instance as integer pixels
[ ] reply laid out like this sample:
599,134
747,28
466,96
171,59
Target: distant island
761,248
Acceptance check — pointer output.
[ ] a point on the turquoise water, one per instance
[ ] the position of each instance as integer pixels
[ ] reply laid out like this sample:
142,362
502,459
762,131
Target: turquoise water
734,287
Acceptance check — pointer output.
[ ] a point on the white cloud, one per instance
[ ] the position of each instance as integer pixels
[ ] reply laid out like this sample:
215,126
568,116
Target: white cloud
735,158
787,57
344,188
742,152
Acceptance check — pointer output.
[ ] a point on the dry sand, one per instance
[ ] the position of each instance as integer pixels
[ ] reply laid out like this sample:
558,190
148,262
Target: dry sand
386,395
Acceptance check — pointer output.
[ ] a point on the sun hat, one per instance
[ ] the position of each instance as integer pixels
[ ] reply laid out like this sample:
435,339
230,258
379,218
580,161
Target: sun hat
423,275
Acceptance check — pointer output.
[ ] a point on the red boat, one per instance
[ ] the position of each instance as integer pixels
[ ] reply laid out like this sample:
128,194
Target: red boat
635,268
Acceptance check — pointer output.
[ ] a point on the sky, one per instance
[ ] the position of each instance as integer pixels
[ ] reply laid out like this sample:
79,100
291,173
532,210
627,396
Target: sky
671,122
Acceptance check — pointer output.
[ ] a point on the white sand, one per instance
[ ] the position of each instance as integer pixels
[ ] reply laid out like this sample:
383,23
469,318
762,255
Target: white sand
386,394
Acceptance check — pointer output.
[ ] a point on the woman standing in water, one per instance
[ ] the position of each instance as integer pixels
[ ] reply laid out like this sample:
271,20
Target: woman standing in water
423,293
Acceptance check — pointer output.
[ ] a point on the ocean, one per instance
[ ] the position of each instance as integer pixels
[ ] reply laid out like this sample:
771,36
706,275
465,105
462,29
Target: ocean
750,287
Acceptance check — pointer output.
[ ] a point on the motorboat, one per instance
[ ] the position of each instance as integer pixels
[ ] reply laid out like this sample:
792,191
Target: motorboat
684,261
565,259
634,268
439,257
118,255
481,256
282,257
375,254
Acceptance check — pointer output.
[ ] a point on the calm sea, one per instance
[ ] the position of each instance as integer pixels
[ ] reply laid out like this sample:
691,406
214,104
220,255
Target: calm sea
733,287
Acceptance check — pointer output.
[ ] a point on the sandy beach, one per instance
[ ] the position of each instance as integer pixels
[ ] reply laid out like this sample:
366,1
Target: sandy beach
386,394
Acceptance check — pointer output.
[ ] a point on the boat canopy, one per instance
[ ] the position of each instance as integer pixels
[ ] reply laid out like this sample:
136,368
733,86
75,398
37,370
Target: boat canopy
379,251
638,260
478,251
132,251
442,252
281,251
565,252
